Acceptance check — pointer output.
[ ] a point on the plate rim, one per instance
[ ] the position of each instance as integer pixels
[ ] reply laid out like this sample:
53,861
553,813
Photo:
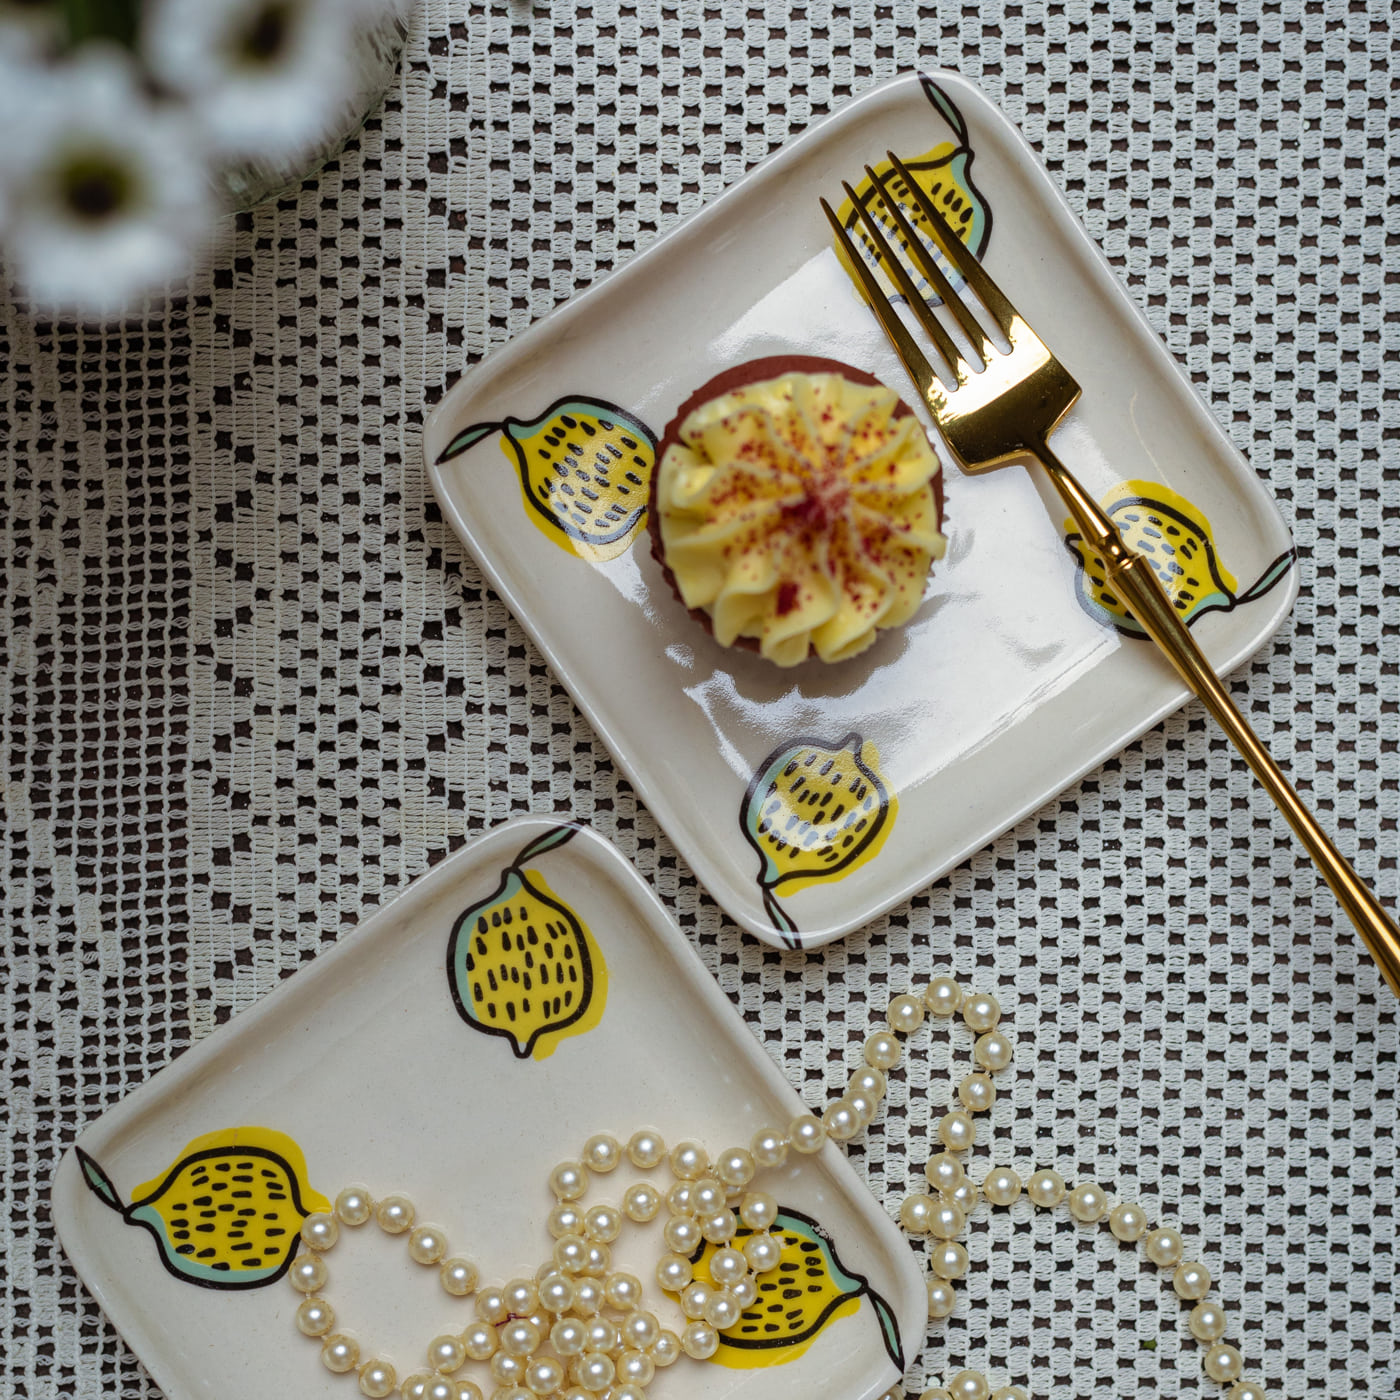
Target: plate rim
68,1193
651,791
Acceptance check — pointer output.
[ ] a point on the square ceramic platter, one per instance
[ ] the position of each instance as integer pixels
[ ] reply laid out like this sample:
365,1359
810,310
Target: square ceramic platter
368,1067
1008,684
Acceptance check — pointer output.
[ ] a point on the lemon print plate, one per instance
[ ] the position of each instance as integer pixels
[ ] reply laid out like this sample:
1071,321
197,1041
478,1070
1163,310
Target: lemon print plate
810,800
526,993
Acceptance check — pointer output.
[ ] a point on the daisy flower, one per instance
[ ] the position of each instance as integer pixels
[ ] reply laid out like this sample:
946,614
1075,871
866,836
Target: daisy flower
103,195
266,77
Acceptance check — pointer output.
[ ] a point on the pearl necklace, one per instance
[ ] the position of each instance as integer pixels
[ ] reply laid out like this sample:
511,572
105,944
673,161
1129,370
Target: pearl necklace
578,1330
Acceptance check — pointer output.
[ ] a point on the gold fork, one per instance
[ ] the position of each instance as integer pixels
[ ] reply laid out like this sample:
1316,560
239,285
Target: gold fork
1007,410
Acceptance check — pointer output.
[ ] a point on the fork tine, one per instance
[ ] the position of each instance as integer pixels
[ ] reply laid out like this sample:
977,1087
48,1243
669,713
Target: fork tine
895,267
928,265
959,254
914,359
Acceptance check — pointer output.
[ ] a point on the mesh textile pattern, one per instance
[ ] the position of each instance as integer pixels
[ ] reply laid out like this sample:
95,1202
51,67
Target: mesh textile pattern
251,684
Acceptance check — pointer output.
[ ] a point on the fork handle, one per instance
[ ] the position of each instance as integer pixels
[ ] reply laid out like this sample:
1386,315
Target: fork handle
1137,584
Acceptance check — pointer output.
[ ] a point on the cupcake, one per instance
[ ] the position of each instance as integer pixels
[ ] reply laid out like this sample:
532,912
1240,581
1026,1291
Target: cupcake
795,508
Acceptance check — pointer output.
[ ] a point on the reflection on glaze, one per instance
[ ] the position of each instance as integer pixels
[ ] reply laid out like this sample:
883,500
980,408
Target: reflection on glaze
1176,539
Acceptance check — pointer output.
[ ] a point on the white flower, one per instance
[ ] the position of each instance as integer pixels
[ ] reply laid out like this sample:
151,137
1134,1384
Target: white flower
104,196
265,76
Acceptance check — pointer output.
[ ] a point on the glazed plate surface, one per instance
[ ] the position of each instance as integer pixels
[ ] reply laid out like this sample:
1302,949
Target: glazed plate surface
1014,678
378,1064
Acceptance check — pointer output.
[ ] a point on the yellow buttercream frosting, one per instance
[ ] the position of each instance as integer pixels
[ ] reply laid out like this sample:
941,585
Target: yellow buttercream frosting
799,511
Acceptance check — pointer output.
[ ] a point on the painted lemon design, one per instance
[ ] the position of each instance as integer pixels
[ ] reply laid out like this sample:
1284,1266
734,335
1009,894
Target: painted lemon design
943,173
809,1291
815,810
1176,539
523,965
228,1213
585,472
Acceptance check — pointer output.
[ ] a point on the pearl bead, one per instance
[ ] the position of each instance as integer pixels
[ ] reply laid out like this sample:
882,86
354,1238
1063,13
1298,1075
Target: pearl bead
964,1194
735,1167
440,1388
948,1259
722,1311
916,1213
521,1297
864,1107
981,1012
315,1317
564,1219
556,1293
745,1291
719,1228
727,1266
693,1298
413,1386
673,1272
426,1244
627,1391
758,1210
946,1220
479,1341
993,1051
905,1014
1010,1392
459,1276
942,1297
571,1253
595,1371
680,1199
508,1369
935,1393
519,1337
645,1149
806,1133
602,1153
597,1259
308,1274
1207,1322
763,1253
635,1367
544,1375
340,1353
869,1081
1246,1390
1163,1247
944,1171
707,1196
446,1354
640,1329
1192,1281
957,1131
769,1148
1001,1186
1223,1362
573,1392
569,1180
641,1202
394,1214
977,1093
603,1224
882,1050
1046,1188
943,996
1128,1222
602,1336
319,1231
841,1121
969,1385
469,1390
568,1336
689,1161
666,1349
588,1297
491,1305
623,1291
682,1235
700,1341
353,1206
1087,1203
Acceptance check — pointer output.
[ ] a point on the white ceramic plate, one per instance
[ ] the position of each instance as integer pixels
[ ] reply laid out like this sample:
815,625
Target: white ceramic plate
1005,687
367,1062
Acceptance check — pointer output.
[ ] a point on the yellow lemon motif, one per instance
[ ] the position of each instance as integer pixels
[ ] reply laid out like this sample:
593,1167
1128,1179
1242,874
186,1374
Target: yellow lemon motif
815,811
1176,539
523,965
943,173
585,472
809,1291
228,1213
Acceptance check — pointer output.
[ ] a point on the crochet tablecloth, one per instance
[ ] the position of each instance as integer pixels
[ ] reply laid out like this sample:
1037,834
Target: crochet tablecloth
252,685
